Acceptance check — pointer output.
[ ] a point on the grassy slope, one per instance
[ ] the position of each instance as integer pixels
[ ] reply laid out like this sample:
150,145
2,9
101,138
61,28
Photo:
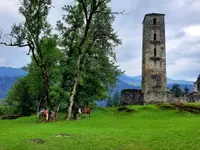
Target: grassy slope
148,128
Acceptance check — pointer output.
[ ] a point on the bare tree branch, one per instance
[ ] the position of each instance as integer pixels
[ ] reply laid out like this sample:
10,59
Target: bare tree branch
12,44
28,52
114,13
85,9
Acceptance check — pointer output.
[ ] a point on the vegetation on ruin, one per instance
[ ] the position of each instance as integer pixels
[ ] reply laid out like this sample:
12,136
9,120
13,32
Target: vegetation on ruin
148,127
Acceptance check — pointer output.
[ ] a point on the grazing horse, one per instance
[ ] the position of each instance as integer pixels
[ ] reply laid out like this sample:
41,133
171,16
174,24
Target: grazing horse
43,115
85,110
46,115
52,116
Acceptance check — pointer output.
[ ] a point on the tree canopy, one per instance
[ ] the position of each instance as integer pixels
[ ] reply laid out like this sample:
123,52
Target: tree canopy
75,66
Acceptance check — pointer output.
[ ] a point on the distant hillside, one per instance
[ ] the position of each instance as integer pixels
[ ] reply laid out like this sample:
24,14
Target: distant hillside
8,76
11,72
6,83
136,81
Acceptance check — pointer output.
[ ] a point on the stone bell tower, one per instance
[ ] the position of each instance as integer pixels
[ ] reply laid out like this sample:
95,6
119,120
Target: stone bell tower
154,58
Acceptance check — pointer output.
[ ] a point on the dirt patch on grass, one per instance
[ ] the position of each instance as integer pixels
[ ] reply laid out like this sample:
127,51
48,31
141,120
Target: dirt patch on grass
125,109
188,108
166,106
63,135
37,141
181,106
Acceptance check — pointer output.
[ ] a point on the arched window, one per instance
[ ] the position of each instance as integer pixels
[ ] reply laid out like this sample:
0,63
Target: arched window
154,51
154,21
154,37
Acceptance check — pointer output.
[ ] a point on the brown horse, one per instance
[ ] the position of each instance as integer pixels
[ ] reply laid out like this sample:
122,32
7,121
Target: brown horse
43,115
85,110
46,115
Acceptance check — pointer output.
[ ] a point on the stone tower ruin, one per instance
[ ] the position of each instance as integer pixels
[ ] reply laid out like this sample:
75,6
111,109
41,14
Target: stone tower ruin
154,58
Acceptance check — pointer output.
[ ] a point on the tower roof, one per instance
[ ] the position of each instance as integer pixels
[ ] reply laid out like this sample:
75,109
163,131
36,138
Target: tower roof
153,14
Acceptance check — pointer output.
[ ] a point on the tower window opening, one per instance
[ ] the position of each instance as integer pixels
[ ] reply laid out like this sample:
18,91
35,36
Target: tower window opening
154,21
154,37
154,51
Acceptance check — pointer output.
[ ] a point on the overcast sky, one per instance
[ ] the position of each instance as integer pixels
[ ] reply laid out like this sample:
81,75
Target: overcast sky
182,34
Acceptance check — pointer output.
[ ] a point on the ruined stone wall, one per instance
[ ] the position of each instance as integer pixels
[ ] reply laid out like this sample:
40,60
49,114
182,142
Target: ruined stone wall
156,97
193,98
131,97
135,97
197,85
154,58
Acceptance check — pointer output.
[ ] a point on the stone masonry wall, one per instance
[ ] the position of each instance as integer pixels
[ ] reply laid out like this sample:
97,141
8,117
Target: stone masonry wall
131,97
154,59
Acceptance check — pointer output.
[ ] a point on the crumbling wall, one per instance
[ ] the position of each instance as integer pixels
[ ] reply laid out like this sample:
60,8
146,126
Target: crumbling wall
197,85
157,97
193,98
131,97
136,97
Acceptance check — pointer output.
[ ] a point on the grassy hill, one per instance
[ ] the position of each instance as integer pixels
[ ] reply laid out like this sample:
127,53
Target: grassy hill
148,128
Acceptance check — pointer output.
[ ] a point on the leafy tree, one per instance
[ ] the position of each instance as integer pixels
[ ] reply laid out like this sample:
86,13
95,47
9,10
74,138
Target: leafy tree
186,90
90,42
109,101
27,94
176,90
31,33
19,98
115,99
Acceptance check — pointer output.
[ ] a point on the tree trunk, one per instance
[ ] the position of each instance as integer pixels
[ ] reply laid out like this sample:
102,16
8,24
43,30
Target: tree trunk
72,94
56,111
46,90
71,100
39,104
81,54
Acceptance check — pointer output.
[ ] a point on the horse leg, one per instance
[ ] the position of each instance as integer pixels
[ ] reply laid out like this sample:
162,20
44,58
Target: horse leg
79,116
47,117
38,114
40,118
89,114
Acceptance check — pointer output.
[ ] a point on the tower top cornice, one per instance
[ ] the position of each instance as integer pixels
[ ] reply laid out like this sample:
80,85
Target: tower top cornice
152,14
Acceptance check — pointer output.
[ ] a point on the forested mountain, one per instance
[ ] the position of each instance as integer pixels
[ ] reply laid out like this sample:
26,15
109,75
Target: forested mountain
8,76
11,72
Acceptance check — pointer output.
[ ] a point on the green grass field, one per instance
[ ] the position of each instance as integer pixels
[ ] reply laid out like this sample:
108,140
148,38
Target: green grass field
148,128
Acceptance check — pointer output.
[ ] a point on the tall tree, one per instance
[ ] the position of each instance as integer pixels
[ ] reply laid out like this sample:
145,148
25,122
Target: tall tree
26,95
115,99
176,90
91,39
31,33
186,90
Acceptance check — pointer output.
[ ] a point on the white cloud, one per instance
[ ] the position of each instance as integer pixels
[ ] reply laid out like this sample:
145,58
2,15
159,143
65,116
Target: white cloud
132,67
182,34
186,69
193,30
2,61
9,6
